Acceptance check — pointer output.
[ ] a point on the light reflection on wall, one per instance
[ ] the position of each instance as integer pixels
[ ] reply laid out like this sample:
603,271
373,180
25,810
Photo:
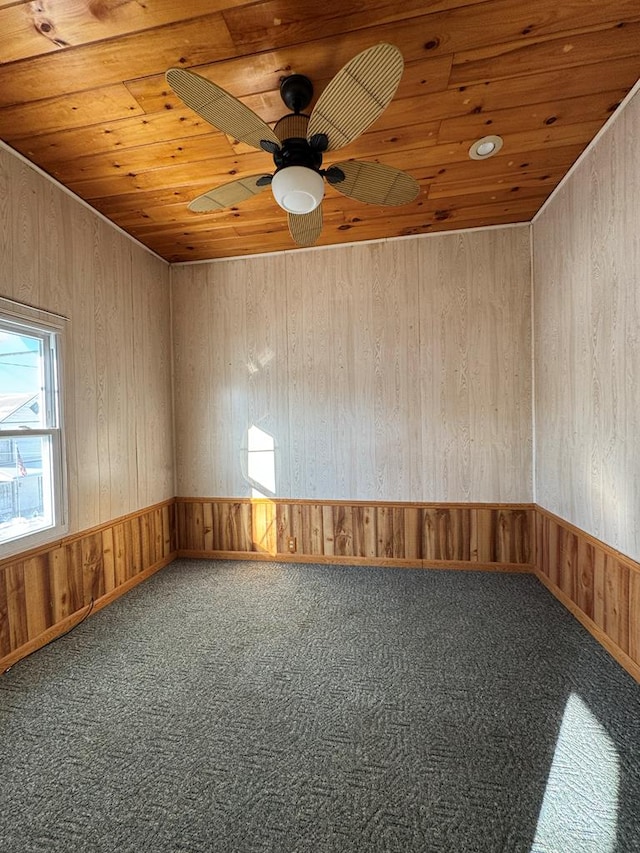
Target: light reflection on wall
261,462
580,805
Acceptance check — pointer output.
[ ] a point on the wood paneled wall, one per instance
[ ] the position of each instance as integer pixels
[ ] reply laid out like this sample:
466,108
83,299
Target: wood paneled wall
45,592
468,536
587,345
61,257
391,371
599,585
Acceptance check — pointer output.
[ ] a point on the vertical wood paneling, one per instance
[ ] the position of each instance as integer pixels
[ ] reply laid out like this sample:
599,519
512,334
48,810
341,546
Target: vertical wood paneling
263,526
585,576
25,186
60,598
151,377
108,560
568,569
37,593
475,356
595,581
5,638
396,371
88,417
75,576
310,308
200,394
365,531
135,564
504,535
264,400
6,235
412,533
446,535
120,370
45,588
616,602
634,615
93,580
169,529
587,347
405,533
207,527
16,605
117,373
119,554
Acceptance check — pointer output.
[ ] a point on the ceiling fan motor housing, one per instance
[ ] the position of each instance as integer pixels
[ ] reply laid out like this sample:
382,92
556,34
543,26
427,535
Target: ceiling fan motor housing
296,91
297,184
297,152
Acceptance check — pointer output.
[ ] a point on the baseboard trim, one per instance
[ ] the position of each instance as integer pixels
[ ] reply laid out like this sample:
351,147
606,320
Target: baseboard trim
70,622
337,560
597,633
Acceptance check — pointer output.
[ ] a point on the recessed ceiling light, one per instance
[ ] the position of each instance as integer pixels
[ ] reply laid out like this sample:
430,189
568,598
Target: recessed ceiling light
485,147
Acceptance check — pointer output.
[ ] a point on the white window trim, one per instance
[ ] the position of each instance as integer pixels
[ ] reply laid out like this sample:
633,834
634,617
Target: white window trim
38,320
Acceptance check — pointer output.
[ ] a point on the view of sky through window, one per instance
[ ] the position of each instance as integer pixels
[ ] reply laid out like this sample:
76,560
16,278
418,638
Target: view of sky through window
20,363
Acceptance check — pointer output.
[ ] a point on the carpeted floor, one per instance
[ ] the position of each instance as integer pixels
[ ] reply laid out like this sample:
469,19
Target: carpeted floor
250,707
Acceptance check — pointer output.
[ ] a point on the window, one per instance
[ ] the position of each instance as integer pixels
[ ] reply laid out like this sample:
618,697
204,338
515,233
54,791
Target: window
32,469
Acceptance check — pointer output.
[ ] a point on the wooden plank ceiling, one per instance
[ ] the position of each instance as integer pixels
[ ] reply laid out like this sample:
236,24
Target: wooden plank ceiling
83,95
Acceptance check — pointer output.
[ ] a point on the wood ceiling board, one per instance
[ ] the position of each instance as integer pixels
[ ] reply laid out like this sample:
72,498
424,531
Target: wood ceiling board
455,26
319,61
446,193
153,93
288,22
397,224
211,172
156,155
102,64
272,243
173,176
110,137
503,164
168,218
193,44
81,109
431,156
568,51
500,94
561,112
211,247
33,29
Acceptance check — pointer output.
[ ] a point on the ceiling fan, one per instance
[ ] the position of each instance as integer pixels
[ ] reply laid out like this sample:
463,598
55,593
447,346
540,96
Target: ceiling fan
351,102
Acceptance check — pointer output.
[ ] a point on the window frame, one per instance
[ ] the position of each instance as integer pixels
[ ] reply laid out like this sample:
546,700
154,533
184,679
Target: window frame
17,318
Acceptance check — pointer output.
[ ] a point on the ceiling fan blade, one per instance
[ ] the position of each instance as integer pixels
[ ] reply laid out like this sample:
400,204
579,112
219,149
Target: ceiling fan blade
229,194
220,108
305,228
375,183
357,95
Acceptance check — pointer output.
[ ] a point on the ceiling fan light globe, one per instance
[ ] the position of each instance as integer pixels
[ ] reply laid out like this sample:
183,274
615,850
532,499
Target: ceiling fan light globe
298,189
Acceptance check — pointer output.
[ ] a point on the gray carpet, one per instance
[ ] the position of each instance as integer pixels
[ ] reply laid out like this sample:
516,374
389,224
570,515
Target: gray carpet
258,707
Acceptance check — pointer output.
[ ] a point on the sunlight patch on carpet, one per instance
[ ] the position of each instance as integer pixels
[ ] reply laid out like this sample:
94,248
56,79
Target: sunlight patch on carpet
580,805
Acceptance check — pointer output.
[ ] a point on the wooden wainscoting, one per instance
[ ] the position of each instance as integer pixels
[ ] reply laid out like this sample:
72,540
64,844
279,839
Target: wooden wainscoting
47,591
598,584
472,536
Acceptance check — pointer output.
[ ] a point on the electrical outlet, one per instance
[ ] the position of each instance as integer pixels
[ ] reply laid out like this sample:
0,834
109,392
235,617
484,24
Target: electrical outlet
291,543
